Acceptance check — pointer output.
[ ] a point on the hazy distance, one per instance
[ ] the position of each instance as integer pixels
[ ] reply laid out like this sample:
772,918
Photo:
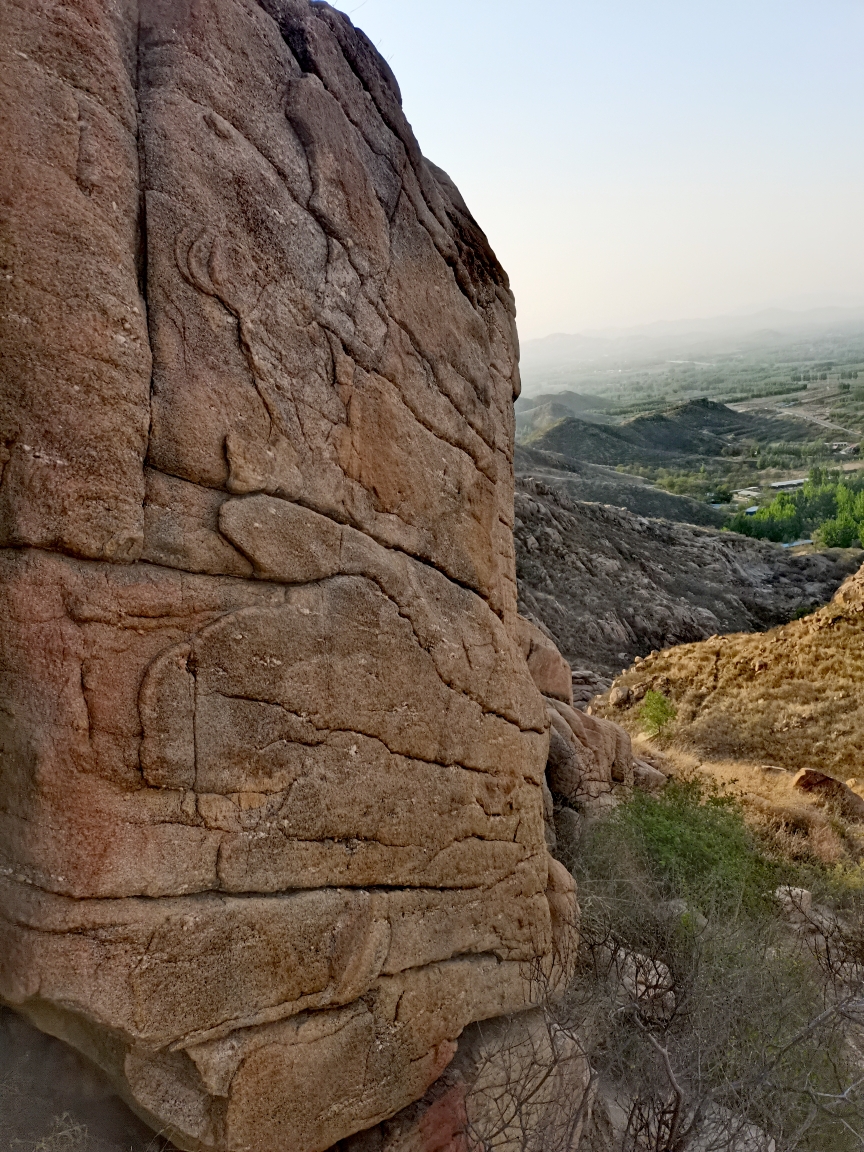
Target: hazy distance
645,160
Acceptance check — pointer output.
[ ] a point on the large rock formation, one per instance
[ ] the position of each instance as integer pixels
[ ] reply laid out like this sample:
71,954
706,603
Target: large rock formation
271,815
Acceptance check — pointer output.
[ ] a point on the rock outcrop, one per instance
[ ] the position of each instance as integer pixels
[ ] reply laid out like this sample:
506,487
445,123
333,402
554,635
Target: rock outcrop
609,585
271,788
519,1084
590,758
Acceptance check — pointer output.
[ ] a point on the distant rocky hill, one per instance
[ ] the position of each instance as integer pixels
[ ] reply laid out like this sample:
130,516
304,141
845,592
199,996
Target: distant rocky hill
579,480
537,413
686,433
611,585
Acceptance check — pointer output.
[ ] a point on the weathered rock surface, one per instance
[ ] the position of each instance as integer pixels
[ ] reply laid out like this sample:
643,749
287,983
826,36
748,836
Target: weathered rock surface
588,758
272,775
834,792
609,585
549,670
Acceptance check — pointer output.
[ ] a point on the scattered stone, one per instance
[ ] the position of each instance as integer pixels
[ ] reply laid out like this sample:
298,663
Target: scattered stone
827,788
619,697
680,910
586,685
643,980
647,778
796,902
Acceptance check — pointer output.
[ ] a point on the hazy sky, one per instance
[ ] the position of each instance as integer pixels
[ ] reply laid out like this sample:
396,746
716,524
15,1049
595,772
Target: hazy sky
636,160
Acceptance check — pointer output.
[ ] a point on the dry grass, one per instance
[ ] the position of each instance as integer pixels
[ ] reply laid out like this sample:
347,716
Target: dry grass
755,708
796,823
792,697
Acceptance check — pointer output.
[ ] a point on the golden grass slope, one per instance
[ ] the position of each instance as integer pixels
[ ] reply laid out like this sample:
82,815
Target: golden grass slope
792,697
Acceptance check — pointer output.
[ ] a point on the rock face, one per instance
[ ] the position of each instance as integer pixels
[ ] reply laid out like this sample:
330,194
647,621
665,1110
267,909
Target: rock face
588,757
518,1084
271,803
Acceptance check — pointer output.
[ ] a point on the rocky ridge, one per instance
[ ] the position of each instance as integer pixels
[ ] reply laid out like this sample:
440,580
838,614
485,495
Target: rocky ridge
610,586
578,480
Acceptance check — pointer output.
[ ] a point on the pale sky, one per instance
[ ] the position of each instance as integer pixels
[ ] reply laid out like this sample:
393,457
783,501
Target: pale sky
639,160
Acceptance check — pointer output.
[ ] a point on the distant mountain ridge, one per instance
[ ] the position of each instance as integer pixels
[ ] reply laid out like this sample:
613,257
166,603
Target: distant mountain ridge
537,413
686,432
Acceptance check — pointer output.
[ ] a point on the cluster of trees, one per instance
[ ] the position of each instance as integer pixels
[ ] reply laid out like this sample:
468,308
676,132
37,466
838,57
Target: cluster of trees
809,375
828,508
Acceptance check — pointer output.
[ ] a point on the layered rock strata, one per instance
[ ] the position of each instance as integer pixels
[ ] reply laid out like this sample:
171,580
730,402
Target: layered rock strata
271,788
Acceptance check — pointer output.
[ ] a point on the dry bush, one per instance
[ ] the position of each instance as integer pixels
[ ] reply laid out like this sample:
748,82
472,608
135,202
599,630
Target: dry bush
749,1034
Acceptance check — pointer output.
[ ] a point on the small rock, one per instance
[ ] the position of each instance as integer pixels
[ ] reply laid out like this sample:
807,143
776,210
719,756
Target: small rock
643,980
681,910
568,829
849,804
646,777
619,697
797,903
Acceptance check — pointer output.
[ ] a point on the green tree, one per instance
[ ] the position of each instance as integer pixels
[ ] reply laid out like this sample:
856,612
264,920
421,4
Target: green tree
841,532
656,713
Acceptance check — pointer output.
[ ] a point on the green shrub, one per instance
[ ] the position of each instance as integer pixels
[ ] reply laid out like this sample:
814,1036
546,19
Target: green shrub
679,882
830,507
840,532
656,712
695,844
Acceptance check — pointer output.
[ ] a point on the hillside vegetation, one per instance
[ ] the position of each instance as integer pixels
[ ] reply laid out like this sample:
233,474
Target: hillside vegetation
828,506
699,448
790,697
716,980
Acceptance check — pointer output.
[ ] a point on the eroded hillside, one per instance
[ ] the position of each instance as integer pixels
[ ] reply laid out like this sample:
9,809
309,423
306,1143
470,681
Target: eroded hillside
579,480
790,696
611,585
685,433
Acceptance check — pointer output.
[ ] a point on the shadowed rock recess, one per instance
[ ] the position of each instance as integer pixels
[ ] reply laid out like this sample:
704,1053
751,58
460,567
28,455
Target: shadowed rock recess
271,804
